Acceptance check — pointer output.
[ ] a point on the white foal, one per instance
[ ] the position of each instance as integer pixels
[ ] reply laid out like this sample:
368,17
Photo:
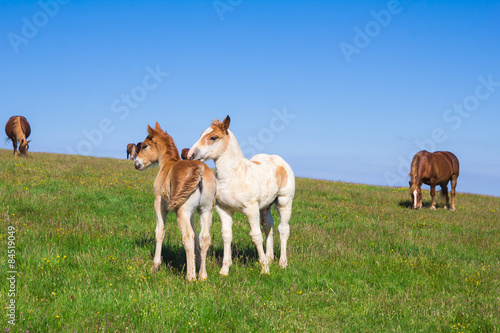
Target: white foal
249,187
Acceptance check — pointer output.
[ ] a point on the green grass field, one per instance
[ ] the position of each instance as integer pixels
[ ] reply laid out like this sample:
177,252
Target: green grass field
360,260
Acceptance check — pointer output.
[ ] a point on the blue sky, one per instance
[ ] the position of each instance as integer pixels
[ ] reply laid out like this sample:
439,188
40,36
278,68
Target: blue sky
342,90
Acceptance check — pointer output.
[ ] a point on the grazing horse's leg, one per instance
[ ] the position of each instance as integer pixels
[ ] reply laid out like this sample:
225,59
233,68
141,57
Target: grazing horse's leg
453,185
433,195
161,214
184,214
226,217
14,143
268,226
253,219
444,192
205,222
284,206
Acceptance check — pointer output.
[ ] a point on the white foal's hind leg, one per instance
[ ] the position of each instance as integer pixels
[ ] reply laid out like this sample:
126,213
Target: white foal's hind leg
161,214
226,218
256,235
284,206
268,226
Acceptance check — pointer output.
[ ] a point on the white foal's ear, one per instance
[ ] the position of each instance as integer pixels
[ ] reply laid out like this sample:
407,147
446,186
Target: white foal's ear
225,124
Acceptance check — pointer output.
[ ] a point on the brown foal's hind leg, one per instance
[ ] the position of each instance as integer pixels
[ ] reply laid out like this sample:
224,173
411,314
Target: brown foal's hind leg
188,240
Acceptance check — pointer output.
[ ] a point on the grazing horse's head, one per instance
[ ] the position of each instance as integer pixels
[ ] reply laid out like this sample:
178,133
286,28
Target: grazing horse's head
416,195
150,151
212,143
23,147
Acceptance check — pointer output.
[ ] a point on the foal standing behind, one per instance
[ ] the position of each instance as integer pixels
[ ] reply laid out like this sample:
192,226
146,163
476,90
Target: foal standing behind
181,187
249,187
433,169
131,151
18,129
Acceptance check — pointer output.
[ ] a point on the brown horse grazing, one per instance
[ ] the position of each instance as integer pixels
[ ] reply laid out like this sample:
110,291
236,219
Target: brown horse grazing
181,187
433,169
18,129
131,151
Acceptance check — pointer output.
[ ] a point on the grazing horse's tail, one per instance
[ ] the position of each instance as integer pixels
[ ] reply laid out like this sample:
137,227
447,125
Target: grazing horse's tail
182,188
414,165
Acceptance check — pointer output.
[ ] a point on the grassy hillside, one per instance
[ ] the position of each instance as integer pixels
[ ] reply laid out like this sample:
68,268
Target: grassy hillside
359,259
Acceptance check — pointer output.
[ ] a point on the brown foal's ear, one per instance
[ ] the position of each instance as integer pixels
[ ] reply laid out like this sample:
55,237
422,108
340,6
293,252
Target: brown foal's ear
151,131
225,124
158,128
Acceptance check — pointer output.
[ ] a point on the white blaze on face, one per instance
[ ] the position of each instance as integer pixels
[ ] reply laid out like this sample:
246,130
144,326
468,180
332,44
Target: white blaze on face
415,199
138,164
197,144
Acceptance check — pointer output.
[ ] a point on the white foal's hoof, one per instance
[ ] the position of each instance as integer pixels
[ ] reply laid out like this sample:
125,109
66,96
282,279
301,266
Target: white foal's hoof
433,207
224,271
191,278
283,263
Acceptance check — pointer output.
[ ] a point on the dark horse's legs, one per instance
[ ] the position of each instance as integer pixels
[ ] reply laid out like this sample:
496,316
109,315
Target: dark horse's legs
433,195
444,192
453,185
14,143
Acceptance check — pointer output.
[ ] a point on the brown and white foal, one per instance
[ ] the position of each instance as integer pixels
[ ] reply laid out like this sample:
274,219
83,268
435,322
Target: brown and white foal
181,187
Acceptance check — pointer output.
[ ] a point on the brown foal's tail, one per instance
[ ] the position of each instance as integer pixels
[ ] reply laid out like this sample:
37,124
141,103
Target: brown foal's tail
181,189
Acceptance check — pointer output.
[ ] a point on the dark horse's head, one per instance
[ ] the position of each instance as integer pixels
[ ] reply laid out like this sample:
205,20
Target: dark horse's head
23,147
416,195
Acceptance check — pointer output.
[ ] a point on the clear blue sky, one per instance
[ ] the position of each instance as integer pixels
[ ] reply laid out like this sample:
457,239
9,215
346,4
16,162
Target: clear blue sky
342,90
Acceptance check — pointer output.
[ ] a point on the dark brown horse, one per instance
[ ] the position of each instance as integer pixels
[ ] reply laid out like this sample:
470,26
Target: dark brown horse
433,169
138,147
131,151
18,129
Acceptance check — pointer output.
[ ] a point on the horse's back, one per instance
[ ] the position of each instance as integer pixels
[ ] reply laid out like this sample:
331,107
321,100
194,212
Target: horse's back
280,169
451,159
10,126
185,178
25,126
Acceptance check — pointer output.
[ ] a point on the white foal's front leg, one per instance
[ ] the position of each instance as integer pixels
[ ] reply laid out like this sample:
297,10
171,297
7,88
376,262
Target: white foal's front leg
161,214
226,218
